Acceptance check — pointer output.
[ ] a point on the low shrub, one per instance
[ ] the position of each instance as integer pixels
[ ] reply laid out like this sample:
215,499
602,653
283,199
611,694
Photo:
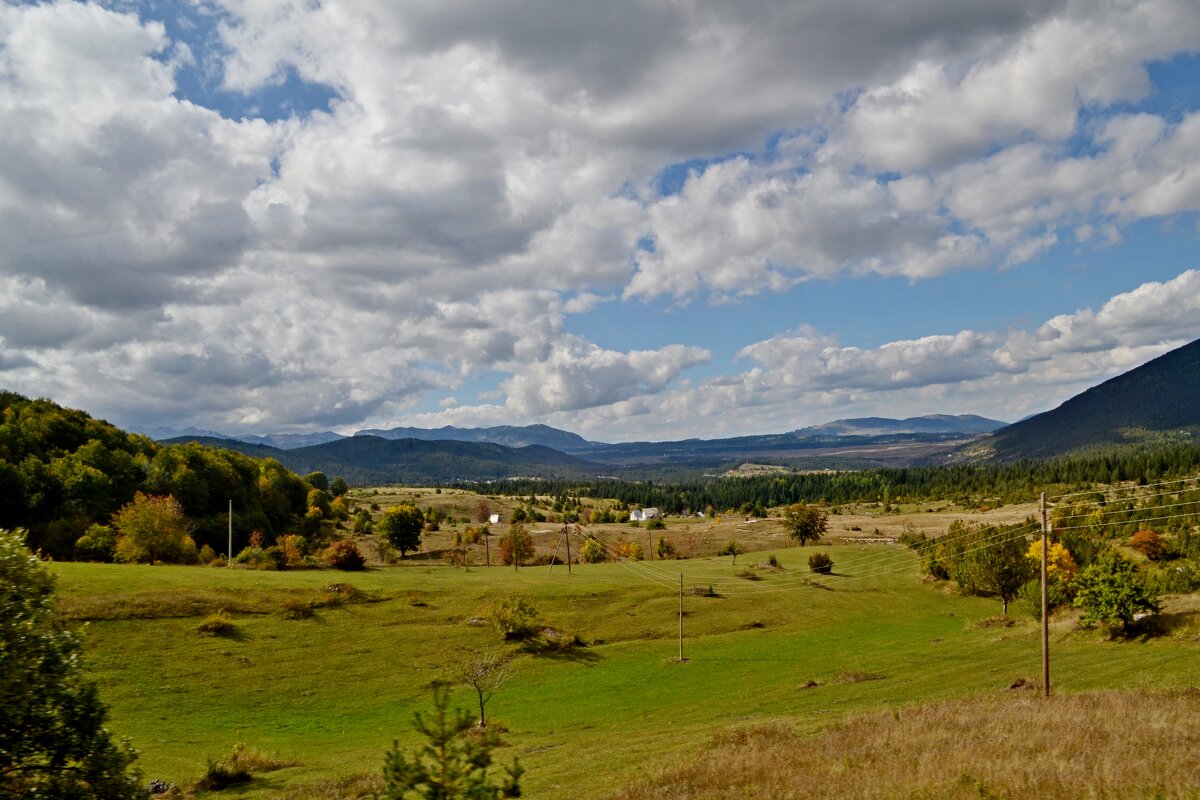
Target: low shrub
1149,544
820,563
344,555
655,524
593,551
664,548
239,767
219,776
514,616
98,543
217,624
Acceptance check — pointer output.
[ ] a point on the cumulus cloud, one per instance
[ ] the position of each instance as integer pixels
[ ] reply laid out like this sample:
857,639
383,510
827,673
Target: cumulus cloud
482,175
576,375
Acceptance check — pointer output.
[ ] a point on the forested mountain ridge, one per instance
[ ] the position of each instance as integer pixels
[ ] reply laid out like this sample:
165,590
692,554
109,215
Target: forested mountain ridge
1157,401
508,435
372,459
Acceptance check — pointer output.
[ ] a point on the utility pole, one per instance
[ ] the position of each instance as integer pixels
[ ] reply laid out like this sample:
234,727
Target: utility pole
1045,605
650,544
557,544
229,562
568,533
487,547
681,618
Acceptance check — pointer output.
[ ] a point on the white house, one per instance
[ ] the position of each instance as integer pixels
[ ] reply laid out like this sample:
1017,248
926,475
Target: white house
494,519
642,514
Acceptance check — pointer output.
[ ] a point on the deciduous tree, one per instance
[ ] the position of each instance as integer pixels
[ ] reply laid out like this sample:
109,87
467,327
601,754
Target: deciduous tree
400,526
151,528
805,523
1109,592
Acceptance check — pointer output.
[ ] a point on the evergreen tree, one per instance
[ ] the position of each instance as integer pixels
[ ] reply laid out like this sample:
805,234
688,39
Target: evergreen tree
53,743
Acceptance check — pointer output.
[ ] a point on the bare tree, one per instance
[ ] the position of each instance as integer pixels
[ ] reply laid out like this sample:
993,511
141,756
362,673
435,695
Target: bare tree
485,672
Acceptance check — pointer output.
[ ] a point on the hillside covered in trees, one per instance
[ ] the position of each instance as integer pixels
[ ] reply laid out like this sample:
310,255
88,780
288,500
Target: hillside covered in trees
62,471
1158,401
365,460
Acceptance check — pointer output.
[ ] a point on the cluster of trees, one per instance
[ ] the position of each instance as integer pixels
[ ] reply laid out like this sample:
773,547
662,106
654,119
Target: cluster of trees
971,484
66,476
1000,561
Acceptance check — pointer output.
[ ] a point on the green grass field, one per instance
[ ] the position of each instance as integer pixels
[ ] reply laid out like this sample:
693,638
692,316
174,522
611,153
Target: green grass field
333,690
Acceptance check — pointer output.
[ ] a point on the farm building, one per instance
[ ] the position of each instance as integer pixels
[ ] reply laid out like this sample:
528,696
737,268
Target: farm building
642,514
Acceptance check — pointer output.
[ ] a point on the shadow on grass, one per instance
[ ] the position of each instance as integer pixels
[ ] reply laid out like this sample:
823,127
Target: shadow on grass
1157,626
554,652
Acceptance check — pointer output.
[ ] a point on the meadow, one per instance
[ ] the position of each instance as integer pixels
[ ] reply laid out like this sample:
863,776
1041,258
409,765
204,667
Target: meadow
328,679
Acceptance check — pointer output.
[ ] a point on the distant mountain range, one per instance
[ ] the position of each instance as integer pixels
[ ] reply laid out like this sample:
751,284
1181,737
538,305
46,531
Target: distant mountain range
507,435
374,460
567,442
391,456
1158,401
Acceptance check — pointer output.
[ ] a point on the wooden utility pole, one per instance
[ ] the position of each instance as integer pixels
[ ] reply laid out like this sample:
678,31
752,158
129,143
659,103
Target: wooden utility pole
568,551
557,544
229,563
1045,604
681,617
650,544
487,547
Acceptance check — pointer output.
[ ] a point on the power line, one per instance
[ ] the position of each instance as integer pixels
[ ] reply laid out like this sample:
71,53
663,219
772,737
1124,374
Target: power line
1117,489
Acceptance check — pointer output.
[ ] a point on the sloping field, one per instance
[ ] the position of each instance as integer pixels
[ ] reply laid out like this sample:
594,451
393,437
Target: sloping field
335,686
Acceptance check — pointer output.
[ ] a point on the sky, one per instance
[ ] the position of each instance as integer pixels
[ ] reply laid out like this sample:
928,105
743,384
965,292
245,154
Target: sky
636,219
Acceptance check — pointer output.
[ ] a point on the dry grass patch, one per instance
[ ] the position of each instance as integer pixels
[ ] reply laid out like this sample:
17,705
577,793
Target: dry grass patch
1094,745
351,787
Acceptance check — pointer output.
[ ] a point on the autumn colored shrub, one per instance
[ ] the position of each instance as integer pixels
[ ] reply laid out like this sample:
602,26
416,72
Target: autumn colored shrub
344,555
516,546
1149,544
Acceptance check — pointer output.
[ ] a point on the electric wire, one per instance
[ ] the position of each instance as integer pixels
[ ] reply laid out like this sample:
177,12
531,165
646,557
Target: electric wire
1118,488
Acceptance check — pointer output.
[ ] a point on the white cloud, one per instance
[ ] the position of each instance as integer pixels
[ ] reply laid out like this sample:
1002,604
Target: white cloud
483,174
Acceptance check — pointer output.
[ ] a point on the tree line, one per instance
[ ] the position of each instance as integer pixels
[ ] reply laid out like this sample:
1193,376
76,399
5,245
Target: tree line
63,471
968,484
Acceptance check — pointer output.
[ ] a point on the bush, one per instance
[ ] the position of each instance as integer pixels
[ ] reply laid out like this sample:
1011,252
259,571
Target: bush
208,555
664,548
593,551
1149,544
516,546
820,562
344,555
99,543
1111,593
1058,593
218,776
655,524
514,616
218,624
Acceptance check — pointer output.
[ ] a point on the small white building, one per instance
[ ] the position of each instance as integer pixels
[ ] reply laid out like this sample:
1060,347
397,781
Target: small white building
494,519
643,514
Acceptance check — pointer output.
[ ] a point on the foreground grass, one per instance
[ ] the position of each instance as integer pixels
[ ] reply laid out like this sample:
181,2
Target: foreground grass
1095,744
329,690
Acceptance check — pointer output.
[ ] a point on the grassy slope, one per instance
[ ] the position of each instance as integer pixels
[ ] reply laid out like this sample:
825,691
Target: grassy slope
335,690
